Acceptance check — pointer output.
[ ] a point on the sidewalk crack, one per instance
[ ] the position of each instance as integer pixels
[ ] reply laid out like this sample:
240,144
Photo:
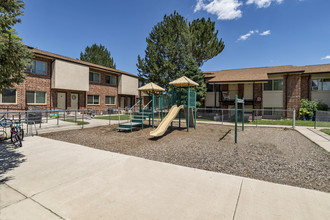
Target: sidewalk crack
239,195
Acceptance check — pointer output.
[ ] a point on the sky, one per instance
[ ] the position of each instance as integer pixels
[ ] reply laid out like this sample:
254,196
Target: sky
256,33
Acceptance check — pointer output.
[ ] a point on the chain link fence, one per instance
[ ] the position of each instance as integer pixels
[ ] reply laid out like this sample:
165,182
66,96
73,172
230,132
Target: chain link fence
322,119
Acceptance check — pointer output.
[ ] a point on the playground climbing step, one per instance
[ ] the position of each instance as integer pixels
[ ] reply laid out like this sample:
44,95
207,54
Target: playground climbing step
137,121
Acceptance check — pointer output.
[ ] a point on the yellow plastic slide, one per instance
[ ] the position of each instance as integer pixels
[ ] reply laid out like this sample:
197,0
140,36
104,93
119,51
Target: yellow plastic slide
162,127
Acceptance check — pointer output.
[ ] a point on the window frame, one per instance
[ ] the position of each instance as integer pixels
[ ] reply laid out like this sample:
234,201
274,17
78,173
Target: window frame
7,103
34,68
35,97
94,100
110,103
320,86
115,84
273,85
91,72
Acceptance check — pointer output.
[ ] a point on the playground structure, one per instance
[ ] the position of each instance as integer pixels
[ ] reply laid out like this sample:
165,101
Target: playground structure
182,97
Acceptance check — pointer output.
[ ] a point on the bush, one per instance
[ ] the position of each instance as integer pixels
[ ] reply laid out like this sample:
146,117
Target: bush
308,108
322,106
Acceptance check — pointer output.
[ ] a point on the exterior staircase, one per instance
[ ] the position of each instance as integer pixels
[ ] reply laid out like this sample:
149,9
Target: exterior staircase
137,121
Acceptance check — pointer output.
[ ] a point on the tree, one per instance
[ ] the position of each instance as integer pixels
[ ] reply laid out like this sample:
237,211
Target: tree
98,54
176,48
205,42
14,55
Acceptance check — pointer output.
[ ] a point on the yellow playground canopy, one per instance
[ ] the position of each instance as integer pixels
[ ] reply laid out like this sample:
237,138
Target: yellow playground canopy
151,87
183,82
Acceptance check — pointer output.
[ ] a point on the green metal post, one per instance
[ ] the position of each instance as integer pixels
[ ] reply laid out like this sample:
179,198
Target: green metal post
153,107
235,119
188,107
140,101
195,108
179,105
243,115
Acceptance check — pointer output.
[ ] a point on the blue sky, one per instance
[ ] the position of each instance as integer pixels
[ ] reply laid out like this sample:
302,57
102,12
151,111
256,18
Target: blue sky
256,32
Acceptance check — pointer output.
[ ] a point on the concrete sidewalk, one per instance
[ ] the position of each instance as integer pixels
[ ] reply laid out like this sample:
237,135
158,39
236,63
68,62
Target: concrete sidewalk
50,179
316,136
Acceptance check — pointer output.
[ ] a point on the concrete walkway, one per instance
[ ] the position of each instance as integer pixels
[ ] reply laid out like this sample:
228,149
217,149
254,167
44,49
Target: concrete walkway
49,179
316,136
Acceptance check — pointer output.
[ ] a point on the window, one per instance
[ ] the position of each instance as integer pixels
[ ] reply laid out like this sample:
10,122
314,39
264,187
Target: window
37,67
94,77
274,85
321,84
8,96
111,80
110,100
212,88
93,99
35,97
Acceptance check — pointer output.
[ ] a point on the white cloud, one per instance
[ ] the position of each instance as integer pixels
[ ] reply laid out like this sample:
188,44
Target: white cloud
263,3
325,58
223,9
246,36
265,33
252,32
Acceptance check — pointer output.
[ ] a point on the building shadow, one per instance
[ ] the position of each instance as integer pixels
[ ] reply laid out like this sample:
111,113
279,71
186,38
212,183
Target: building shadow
10,158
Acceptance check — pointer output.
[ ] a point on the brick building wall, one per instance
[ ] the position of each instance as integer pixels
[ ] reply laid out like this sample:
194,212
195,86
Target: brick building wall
306,87
257,95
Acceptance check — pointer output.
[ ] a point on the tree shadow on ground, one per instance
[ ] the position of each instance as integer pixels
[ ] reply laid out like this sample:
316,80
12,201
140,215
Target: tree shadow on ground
10,158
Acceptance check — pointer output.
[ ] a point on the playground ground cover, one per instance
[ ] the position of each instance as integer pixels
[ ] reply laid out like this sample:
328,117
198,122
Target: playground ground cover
272,154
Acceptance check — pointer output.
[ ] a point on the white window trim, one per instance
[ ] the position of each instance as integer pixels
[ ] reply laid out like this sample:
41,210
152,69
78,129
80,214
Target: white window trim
93,77
321,79
8,103
110,96
35,97
93,99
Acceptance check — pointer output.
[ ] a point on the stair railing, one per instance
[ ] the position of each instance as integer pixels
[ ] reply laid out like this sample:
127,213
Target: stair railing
130,111
143,112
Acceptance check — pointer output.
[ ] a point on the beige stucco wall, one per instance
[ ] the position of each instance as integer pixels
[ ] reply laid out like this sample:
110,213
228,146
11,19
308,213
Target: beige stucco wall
322,96
232,90
209,99
70,76
273,99
248,91
128,85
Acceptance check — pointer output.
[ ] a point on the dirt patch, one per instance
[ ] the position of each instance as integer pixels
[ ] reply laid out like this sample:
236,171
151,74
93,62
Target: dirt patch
271,154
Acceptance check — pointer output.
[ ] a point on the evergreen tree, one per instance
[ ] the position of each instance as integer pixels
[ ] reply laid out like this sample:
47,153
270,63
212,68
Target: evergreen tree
98,54
177,48
14,55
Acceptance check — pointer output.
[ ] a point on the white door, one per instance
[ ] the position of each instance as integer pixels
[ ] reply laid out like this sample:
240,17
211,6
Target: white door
122,102
74,100
61,100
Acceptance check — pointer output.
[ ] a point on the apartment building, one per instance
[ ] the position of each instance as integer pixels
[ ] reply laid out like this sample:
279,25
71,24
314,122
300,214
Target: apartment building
58,82
278,87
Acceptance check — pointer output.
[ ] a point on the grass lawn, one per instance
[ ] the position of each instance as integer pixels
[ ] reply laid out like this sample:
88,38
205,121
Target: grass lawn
113,117
327,131
77,122
289,122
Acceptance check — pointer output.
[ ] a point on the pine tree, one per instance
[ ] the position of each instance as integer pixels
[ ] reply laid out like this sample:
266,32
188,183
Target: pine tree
14,55
177,48
98,54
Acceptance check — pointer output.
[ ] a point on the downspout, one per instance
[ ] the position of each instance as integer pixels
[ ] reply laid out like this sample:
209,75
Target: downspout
215,96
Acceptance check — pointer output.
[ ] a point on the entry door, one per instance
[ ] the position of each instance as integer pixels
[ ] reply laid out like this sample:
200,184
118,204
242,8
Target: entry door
122,102
74,100
61,100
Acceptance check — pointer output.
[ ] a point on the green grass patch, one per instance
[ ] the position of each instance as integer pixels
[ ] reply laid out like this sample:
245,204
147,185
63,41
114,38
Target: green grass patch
289,123
113,117
327,131
77,122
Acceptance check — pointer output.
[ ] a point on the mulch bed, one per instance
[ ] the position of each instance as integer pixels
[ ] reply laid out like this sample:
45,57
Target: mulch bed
271,154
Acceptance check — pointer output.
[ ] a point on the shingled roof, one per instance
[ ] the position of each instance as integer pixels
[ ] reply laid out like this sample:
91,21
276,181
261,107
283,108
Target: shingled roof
261,73
64,58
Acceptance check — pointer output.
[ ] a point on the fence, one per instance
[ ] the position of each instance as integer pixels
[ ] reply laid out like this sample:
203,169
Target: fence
322,119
